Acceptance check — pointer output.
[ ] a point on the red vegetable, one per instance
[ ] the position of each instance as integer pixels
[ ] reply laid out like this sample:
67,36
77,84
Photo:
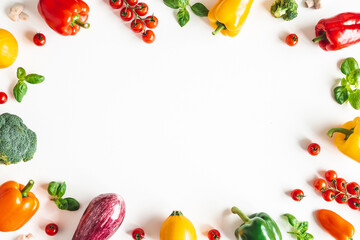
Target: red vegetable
313,149
138,234
141,9
126,14
338,32
320,184
291,40
340,184
65,17
116,4
341,198
151,22
132,2
354,203
148,36
297,195
3,98
39,39
137,25
330,175
51,229
353,188
329,195
214,234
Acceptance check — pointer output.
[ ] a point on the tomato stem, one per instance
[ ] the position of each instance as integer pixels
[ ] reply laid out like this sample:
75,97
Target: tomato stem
137,15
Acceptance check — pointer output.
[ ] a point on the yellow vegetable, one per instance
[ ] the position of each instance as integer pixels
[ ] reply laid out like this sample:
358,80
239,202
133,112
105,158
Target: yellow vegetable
8,48
177,227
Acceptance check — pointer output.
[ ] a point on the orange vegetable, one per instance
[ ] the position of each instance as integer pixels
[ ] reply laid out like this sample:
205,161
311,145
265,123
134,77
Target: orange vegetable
335,225
17,205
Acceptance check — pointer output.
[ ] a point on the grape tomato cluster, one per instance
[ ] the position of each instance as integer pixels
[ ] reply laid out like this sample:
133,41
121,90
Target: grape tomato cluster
136,11
338,189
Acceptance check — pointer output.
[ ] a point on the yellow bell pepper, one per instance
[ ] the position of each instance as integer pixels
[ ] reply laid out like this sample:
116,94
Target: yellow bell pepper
177,227
8,48
228,16
347,138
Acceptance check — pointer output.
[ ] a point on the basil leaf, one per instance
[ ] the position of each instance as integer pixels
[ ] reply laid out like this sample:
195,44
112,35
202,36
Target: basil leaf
303,227
20,90
34,78
61,203
183,16
53,188
307,236
292,220
172,4
344,82
354,77
21,74
354,99
341,94
349,65
200,10
183,3
73,204
61,190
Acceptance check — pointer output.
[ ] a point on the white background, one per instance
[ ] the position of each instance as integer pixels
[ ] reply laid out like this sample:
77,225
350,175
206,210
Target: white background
192,122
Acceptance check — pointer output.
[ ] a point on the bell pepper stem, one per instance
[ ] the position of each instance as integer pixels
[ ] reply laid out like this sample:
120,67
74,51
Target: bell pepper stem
242,215
345,131
319,38
27,188
220,26
82,24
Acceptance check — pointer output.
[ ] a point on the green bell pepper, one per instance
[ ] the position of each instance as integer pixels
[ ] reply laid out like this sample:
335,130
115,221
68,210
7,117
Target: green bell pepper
259,226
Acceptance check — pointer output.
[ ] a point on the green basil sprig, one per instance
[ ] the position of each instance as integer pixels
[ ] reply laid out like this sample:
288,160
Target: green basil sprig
21,88
57,190
348,89
298,228
183,15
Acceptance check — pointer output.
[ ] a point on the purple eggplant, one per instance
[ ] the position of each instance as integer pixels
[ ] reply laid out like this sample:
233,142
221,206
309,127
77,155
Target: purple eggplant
101,218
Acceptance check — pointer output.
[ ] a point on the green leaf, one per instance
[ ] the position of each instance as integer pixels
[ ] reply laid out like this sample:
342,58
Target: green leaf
292,220
172,4
61,190
183,16
303,227
61,203
354,77
34,78
20,90
341,94
53,188
354,99
307,236
344,82
183,3
73,204
349,65
21,74
200,10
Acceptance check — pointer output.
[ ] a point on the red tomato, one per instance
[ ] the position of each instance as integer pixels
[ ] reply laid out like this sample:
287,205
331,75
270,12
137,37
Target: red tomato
51,229
328,195
320,184
137,25
39,39
214,234
313,149
353,188
297,195
291,40
341,198
148,36
340,184
141,9
354,203
3,98
330,175
138,234
132,2
126,14
151,22
116,4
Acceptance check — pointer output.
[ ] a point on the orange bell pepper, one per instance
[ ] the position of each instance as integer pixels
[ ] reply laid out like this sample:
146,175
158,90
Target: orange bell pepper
334,224
17,205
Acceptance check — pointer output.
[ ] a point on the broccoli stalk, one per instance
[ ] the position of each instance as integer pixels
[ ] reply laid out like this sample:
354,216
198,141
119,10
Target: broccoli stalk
286,9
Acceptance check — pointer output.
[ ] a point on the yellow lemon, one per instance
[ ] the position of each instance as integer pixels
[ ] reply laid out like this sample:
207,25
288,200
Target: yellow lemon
8,48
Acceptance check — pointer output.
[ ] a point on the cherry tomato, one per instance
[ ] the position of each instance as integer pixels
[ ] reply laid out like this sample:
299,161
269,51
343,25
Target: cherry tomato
291,40
328,195
132,2
297,195
51,229
214,234
141,9
148,36
151,22
116,4
340,184
353,188
137,25
354,203
320,184
39,39
313,149
138,234
126,14
341,198
3,98
330,175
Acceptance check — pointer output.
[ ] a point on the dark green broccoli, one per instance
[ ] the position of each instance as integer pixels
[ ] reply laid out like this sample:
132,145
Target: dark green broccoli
17,142
286,9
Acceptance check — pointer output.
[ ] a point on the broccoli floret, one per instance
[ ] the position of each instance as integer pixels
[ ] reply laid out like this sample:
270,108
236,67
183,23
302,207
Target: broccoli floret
286,9
17,142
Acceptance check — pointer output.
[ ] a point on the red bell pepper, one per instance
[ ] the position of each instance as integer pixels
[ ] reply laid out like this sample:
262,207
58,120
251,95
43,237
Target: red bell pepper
338,32
65,16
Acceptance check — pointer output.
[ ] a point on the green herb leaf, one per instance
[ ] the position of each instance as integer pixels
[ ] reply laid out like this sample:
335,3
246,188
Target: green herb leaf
61,190
344,82
303,227
34,78
183,16
354,77
349,65
292,220
307,236
354,99
73,204
61,203
200,10
53,188
183,3
20,90
172,4
21,74
341,94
